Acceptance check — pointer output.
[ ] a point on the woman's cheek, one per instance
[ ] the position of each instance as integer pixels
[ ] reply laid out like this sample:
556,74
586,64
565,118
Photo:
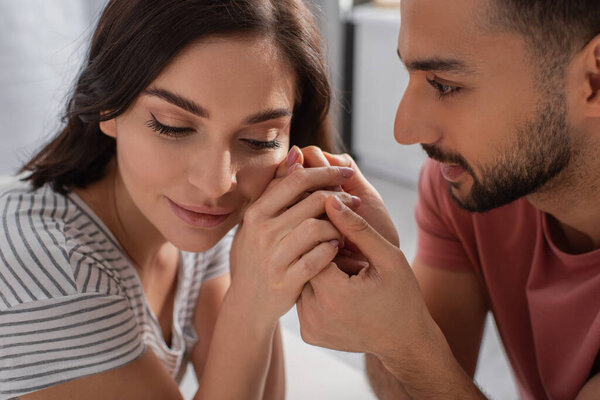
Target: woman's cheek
254,180
145,159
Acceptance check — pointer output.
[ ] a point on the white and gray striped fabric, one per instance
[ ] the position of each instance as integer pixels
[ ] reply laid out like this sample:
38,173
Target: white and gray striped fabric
71,302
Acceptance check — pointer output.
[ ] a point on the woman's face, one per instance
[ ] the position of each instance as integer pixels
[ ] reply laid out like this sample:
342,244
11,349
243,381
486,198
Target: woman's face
204,139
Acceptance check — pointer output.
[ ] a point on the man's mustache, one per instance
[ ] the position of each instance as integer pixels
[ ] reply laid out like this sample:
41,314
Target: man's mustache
438,155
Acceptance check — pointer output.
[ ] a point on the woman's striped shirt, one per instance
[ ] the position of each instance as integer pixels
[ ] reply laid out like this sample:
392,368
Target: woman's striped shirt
71,302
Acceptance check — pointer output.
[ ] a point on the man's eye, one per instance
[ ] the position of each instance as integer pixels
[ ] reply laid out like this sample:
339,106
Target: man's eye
443,90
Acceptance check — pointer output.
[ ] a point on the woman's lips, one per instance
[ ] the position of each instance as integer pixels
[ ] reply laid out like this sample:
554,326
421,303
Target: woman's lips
451,172
200,217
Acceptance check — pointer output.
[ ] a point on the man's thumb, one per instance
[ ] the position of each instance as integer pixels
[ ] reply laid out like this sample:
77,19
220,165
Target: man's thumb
370,243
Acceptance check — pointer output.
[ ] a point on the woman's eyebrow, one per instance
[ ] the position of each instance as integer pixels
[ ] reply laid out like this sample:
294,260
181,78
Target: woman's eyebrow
197,109
178,101
268,115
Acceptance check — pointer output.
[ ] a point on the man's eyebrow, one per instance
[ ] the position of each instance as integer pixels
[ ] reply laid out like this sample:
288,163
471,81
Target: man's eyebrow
268,115
436,64
179,101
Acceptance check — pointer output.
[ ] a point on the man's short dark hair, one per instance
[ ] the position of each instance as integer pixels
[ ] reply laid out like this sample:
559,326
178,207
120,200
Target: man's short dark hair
555,30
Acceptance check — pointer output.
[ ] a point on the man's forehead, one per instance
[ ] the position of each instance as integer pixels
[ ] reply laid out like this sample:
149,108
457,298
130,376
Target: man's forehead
441,35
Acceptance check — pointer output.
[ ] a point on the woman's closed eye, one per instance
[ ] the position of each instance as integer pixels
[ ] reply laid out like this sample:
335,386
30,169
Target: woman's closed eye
262,144
181,131
166,130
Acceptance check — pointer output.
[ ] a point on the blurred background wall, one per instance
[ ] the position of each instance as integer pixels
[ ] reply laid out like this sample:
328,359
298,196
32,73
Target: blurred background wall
369,81
41,46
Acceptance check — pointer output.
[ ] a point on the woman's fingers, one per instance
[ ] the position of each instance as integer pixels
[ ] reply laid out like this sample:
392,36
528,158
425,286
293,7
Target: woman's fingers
340,160
310,207
311,263
370,243
305,237
313,206
288,190
314,157
358,184
294,157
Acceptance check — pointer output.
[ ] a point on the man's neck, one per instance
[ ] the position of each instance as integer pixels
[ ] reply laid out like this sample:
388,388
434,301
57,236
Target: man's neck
572,201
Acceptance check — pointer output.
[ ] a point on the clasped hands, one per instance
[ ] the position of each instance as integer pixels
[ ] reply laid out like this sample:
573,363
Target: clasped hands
367,299
320,237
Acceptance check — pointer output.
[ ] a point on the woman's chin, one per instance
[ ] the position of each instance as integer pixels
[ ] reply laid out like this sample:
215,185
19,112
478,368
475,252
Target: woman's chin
198,241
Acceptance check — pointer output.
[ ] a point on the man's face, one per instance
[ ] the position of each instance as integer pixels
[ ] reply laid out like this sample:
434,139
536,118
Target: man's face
474,104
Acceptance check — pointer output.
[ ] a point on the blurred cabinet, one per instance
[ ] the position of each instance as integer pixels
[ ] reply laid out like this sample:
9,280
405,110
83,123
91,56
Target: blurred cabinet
379,80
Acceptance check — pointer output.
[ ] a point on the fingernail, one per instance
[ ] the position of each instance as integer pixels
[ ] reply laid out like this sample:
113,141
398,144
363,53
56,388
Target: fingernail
292,156
334,243
346,172
337,203
356,201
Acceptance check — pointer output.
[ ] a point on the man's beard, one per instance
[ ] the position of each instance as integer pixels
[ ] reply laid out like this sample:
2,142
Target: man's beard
542,150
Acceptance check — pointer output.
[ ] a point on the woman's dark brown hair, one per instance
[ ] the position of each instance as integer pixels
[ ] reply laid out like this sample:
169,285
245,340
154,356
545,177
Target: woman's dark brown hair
133,43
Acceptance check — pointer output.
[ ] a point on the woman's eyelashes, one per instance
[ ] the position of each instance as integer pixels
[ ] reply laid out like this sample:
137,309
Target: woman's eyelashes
442,89
171,131
262,145
178,132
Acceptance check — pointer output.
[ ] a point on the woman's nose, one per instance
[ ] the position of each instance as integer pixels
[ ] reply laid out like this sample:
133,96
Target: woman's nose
213,173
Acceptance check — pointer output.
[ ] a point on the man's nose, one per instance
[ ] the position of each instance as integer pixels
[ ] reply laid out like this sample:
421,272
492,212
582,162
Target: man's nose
415,118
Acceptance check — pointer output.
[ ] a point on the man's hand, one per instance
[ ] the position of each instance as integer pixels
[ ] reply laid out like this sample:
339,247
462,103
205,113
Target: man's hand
371,207
380,311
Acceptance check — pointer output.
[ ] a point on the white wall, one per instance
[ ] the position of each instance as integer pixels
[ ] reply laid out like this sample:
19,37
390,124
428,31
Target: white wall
41,47
379,82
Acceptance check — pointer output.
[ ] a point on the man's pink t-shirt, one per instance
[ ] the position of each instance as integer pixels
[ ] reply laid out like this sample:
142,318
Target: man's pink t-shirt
546,302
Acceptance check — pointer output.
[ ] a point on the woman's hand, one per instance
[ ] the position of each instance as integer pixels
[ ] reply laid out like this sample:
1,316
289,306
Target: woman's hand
371,208
282,243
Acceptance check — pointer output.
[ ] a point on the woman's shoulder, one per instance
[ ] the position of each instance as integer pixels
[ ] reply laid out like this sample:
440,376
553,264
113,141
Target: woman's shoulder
21,203
51,248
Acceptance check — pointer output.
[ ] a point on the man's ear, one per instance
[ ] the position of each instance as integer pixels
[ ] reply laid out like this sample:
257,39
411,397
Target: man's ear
109,127
591,64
